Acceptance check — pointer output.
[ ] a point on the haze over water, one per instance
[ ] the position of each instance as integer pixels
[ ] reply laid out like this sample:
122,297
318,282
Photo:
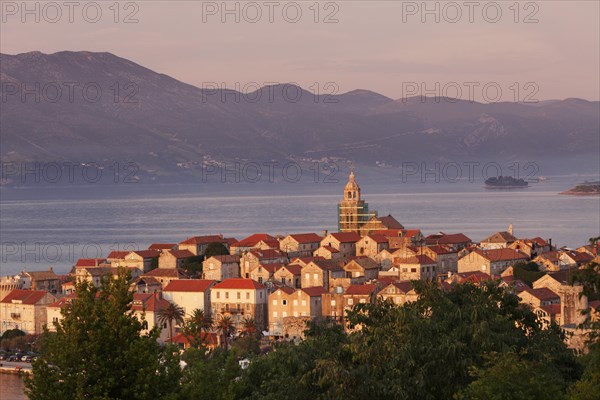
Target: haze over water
43,227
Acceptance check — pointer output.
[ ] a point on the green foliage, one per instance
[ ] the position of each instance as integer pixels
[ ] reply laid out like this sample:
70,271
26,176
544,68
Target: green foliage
209,376
509,376
246,346
215,249
528,272
197,327
193,265
12,333
98,353
172,313
588,388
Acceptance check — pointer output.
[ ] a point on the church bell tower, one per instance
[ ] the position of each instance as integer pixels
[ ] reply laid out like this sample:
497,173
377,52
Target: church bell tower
352,211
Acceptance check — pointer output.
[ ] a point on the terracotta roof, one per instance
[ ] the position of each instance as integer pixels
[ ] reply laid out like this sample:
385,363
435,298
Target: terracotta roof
542,293
286,289
294,269
443,238
189,285
239,283
226,259
474,277
25,296
177,273
266,254
97,271
270,268
411,232
205,239
305,260
500,254
580,257
404,286
388,232
365,262
539,241
327,265
149,302
209,338
314,291
330,249
252,240
181,253
118,255
553,255
441,249
562,276
361,289
42,275
146,253
306,237
517,284
63,302
390,222
162,246
551,309
346,237
146,280
500,237
377,238
417,259
89,262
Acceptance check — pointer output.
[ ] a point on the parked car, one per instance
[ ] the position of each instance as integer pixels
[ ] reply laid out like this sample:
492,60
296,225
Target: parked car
13,358
27,359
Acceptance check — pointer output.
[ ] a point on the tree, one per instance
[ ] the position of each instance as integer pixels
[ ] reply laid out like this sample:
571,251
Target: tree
215,249
249,327
99,353
197,327
528,272
224,325
171,313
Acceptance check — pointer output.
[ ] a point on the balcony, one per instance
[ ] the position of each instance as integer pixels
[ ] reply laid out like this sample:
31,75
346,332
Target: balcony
15,315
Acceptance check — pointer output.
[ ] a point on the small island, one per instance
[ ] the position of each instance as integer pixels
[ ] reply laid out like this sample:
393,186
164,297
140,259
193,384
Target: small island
584,189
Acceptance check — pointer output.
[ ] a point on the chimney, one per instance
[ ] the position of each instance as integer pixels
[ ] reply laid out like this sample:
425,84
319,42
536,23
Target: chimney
550,243
324,232
510,229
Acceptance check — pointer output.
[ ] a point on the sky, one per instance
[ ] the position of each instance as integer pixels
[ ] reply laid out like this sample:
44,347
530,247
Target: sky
477,50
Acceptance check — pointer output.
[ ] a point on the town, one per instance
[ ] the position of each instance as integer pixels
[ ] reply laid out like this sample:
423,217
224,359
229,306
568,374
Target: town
278,284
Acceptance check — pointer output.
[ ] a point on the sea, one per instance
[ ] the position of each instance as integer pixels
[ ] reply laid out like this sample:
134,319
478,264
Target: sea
43,227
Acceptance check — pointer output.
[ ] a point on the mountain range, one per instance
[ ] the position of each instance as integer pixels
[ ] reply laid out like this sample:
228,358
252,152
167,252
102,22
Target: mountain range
98,107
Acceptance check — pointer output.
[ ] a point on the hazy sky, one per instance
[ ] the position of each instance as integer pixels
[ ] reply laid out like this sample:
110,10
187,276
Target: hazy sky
529,50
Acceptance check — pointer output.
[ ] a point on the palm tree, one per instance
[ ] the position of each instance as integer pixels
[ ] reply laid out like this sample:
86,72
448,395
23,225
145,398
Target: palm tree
249,327
224,325
171,313
197,325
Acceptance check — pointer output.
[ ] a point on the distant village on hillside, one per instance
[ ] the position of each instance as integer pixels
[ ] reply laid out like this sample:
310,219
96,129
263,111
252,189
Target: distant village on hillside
281,283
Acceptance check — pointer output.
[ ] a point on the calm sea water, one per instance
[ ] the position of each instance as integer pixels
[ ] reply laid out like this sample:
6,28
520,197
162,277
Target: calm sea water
11,387
55,226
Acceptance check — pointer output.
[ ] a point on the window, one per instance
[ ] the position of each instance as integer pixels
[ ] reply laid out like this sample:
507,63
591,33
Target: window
283,280
284,314
295,302
332,303
303,302
226,295
284,302
413,270
404,269
307,276
260,279
218,295
363,301
239,295
316,277
274,314
295,313
247,295
274,302
350,302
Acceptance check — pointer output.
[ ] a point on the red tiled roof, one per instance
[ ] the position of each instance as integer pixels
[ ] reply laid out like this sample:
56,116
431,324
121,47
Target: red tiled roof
181,253
267,253
361,289
500,254
453,238
205,239
474,277
327,265
411,232
149,302
441,249
166,273
147,253
25,296
239,283
89,262
580,257
226,258
330,249
252,240
390,222
118,255
306,237
314,291
162,246
417,259
404,286
500,237
346,237
305,260
388,232
189,285
286,289
542,293
552,309
209,338
365,262
539,241
63,302
294,269
377,238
